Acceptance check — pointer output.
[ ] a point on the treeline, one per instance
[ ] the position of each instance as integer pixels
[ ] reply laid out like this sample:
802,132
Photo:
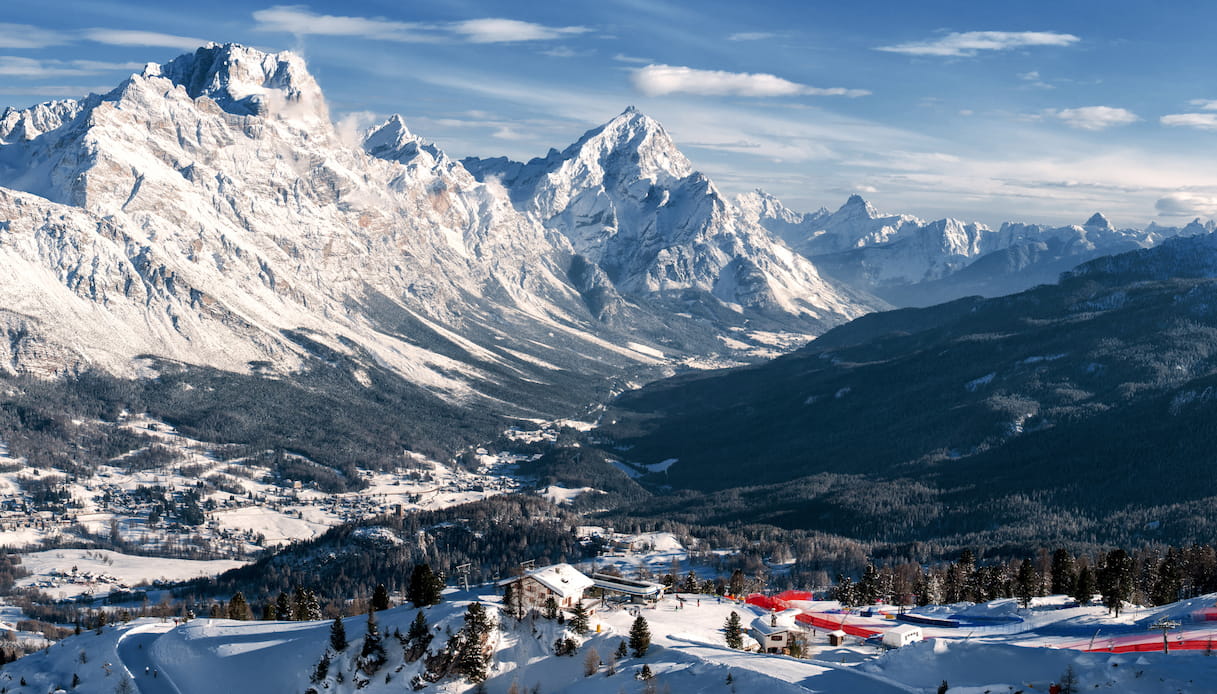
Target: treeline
493,536
1146,576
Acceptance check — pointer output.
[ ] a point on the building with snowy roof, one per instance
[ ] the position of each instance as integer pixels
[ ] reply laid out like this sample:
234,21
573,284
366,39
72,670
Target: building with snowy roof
562,582
777,632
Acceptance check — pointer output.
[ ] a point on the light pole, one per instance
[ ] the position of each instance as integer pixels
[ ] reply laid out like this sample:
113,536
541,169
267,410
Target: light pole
1165,625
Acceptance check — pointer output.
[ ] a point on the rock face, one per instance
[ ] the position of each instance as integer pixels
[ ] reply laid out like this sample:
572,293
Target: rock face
910,262
631,204
207,211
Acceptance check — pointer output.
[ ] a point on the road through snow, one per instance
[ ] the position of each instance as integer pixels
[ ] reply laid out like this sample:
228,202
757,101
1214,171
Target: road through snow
135,652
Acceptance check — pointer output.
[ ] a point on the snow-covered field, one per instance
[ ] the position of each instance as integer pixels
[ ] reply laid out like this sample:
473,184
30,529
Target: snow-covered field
67,573
688,654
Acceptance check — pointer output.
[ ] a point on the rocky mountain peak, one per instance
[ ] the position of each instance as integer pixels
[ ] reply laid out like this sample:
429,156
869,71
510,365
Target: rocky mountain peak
1098,221
248,82
635,141
393,141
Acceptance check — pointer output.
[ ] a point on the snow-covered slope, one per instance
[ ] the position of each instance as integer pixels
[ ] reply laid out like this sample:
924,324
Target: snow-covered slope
207,211
632,205
907,261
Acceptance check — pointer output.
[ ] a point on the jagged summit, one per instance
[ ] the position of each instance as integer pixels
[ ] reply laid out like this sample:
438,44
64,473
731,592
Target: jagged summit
246,81
1098,221
393,141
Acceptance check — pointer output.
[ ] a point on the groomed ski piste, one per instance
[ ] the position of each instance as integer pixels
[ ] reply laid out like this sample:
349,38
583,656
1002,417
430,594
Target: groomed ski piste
1001,648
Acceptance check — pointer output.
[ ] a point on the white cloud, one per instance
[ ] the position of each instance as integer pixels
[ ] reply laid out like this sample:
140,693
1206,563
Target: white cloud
301,21
1095,117
1200,121
623,58
128,37
28,36
511,30
1204,104
1186,205
15,66
751,36
657,80
969,43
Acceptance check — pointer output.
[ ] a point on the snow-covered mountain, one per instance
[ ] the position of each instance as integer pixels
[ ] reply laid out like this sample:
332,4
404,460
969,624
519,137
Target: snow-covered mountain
631,205
207,211
907,261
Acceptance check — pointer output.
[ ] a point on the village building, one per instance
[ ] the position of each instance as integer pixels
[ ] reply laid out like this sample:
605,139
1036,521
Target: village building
562,582
777,632
634,590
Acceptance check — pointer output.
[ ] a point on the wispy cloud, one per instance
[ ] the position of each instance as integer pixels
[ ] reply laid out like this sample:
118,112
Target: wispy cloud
1033,79
1199,121
302,21
510,31
658,80
969,43
128,37
16,66
751,36
1094,117
623,58
1204,104
29,36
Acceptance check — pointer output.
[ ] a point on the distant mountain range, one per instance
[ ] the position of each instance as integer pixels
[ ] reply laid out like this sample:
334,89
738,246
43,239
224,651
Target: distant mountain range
910,262
1082,410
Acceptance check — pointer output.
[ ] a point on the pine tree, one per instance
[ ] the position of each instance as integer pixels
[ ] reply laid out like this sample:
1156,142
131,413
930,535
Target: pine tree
238,608
645,673
621,651
734,631
1063,572
322,670
372,655
425,587
283,607
418,637
1084,588
471,659
1116,580
1026,584
736,585
869,591
338,635
579,622
640,637
845,592
380,598
689,585
299,605
550,611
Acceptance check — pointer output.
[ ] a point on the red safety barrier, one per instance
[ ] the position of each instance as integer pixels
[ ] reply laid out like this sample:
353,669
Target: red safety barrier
834,624
794,595
766,602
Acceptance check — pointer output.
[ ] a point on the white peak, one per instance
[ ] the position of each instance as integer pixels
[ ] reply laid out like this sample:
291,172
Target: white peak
393,141
1097,221
635,139
246,81
857,206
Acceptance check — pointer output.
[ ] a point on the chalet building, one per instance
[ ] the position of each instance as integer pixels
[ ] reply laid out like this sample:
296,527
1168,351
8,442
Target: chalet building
777,632
562,582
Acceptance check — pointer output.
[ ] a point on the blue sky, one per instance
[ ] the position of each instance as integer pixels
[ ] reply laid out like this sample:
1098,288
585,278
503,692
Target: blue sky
1032,111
